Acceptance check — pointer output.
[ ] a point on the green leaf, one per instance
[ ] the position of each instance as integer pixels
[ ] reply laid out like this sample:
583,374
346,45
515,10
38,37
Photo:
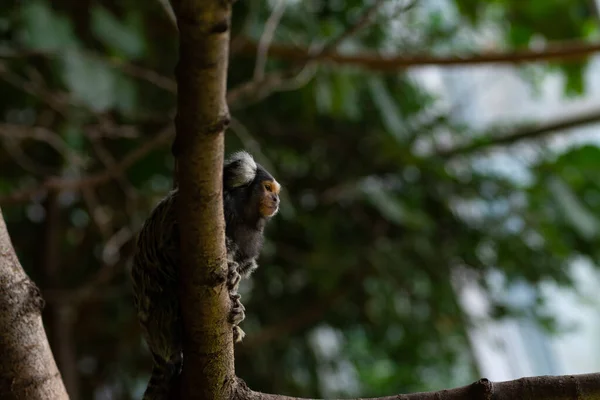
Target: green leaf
126,39
97,84
323,94
125,93
90,80
44,29
576,213
345,101
386,106
585,158
393,208
72,135
574,79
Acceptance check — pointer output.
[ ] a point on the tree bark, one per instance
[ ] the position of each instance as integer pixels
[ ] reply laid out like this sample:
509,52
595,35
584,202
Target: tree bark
526,132
563,52
568,387
202,117
28,370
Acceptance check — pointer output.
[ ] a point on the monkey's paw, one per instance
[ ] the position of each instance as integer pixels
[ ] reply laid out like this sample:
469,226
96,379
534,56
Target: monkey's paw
238,334
233,278
236,315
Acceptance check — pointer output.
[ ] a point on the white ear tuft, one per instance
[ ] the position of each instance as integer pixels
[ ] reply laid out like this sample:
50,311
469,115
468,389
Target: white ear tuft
240,169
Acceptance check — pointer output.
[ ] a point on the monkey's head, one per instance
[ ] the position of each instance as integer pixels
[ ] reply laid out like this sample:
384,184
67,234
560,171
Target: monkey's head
253,189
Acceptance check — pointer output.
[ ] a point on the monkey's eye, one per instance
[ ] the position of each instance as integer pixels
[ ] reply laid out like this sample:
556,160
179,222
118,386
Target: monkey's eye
268,187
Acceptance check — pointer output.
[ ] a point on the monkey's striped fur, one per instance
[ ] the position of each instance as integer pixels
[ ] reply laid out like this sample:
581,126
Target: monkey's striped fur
155,268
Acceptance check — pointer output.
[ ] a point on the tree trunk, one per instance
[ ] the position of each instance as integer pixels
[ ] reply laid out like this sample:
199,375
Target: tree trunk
28,370
202,117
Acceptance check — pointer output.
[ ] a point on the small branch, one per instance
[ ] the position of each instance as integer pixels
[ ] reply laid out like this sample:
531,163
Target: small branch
308,316
23,160
568,387
266,38
141,73
23,132
253,91
262,86
564,52
363,21
110,256
169,11
523,133
109,162
127,68
92,180
59,102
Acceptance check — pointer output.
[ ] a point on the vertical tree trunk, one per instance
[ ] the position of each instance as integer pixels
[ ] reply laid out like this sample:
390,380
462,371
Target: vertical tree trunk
202,117
28,370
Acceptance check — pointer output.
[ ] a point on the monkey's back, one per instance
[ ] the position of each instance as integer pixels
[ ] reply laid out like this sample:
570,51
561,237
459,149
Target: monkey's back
154,276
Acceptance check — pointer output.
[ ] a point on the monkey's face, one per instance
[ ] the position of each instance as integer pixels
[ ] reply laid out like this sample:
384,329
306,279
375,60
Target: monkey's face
269,198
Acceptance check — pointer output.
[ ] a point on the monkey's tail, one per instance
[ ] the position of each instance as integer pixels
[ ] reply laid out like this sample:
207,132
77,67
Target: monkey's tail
163,384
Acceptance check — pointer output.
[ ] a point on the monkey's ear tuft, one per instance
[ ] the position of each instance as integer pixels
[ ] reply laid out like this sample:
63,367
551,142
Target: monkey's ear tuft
239,169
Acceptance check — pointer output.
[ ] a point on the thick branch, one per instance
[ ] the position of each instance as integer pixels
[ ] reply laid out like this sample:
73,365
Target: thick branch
28,370
568,387
569,51
202,117
523,133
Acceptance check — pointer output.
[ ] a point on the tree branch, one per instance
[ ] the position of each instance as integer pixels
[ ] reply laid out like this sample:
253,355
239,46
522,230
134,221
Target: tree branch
127,68
266,38
566,51
527,132
568,387
28,369
297,320
262,86
202,117
92,180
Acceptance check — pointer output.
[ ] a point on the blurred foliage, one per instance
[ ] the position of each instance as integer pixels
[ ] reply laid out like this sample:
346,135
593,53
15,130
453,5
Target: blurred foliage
355,291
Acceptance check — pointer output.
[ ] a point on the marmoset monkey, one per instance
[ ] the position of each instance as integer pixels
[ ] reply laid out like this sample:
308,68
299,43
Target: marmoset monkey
250,199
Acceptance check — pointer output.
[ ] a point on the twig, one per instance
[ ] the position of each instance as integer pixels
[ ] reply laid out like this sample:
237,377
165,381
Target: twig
23,160
363,21
523,133
93,180
127,68
109,162
166,5
110,257
253,91
95,211
266,38
22,132
58,102
141,73
295,77
309,315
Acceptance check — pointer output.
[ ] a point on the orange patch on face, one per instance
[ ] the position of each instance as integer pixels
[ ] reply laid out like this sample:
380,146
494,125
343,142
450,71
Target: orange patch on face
272,186
269,204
